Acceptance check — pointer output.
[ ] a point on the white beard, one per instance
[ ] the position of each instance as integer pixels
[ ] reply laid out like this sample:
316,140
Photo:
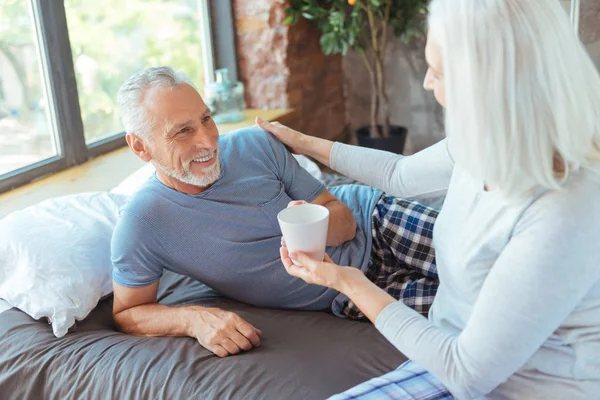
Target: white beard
209,177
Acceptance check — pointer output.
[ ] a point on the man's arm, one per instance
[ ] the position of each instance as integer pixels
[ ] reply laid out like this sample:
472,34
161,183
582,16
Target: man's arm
342,225
224,333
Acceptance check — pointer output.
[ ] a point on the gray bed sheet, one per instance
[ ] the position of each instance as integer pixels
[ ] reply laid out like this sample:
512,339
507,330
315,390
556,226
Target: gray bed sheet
303,355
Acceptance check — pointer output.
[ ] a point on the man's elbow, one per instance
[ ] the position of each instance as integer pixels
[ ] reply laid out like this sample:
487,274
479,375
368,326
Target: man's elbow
345,234
119,321
123,322
351,231
349,227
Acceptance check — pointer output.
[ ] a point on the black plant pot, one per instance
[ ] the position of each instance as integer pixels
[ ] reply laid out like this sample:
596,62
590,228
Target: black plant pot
394,143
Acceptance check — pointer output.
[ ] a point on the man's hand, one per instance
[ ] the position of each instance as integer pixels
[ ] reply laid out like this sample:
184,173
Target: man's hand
342,225
136,312
223,332
296,203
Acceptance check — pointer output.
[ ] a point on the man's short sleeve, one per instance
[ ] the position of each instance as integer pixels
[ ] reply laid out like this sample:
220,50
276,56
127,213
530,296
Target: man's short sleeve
299,183
133,247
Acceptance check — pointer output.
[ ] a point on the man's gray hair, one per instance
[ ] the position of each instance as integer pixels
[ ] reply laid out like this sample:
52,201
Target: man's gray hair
136,118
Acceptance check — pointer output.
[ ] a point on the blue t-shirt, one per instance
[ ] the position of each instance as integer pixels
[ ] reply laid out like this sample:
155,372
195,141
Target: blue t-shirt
228,237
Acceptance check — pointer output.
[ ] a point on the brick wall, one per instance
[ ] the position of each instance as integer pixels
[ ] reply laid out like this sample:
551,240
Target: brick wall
283,67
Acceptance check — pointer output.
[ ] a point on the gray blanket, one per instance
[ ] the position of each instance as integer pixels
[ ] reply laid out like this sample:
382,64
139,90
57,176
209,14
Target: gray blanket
303,355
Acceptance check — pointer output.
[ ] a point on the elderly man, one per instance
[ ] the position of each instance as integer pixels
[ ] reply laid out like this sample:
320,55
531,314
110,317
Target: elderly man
210,212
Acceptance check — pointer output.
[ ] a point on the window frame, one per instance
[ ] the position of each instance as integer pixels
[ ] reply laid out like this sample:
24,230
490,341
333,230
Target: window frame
50,23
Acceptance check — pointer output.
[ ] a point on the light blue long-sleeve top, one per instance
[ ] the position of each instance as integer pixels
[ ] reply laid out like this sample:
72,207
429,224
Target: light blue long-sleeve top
517,314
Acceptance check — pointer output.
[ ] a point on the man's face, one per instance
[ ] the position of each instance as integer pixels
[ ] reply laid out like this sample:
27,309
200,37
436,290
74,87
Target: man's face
184,143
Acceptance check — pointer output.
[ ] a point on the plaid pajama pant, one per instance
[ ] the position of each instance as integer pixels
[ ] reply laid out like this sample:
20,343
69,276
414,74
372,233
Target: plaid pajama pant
408,382
402,258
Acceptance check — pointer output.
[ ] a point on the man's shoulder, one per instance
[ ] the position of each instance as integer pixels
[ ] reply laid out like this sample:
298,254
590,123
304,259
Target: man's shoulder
249,151
142,205
252,138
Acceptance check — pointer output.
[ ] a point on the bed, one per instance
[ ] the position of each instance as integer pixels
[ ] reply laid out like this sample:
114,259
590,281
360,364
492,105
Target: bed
303,355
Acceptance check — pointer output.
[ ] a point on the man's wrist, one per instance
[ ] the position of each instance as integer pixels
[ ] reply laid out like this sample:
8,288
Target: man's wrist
192,317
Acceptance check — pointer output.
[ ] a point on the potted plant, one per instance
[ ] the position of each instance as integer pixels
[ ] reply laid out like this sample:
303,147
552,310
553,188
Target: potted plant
365,26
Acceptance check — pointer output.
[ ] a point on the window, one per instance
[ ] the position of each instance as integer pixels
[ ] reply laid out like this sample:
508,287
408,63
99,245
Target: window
26,133
112,41
63,61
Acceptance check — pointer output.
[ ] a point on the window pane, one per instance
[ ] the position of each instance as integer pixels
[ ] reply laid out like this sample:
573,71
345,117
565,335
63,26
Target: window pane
112,39
26,134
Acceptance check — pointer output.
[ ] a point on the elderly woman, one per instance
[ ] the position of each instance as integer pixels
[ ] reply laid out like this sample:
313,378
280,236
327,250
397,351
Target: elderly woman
517,242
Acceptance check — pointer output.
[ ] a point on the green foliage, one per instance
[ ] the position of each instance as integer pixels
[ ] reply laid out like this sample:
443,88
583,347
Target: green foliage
345,27
16,33
363,26
110,40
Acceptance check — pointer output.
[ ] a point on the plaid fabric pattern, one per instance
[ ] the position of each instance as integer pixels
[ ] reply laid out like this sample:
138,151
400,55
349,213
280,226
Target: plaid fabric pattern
402,259
409,381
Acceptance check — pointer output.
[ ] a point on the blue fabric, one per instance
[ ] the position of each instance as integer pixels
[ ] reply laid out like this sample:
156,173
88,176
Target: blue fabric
409,381
402,256
228,236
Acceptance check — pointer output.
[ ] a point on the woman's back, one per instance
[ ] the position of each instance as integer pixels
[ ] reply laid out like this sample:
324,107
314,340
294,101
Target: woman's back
534,262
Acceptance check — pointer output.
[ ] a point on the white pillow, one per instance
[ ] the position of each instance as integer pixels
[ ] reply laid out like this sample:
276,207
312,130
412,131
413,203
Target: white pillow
55,256
135,181
310,166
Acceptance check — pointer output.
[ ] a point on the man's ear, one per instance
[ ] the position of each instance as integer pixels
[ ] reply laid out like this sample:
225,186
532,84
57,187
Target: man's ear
139,147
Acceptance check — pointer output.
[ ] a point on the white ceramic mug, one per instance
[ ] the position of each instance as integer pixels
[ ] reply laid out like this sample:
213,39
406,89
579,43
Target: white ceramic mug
304,228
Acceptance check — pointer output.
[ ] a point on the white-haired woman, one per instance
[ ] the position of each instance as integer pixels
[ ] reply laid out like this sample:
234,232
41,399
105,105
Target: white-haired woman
517,313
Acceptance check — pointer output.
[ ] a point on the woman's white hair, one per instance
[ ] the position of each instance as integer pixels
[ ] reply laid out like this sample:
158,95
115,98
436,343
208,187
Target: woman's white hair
130,98
522,94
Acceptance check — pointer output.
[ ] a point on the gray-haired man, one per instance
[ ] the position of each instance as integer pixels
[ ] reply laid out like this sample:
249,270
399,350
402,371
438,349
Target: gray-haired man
210,213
